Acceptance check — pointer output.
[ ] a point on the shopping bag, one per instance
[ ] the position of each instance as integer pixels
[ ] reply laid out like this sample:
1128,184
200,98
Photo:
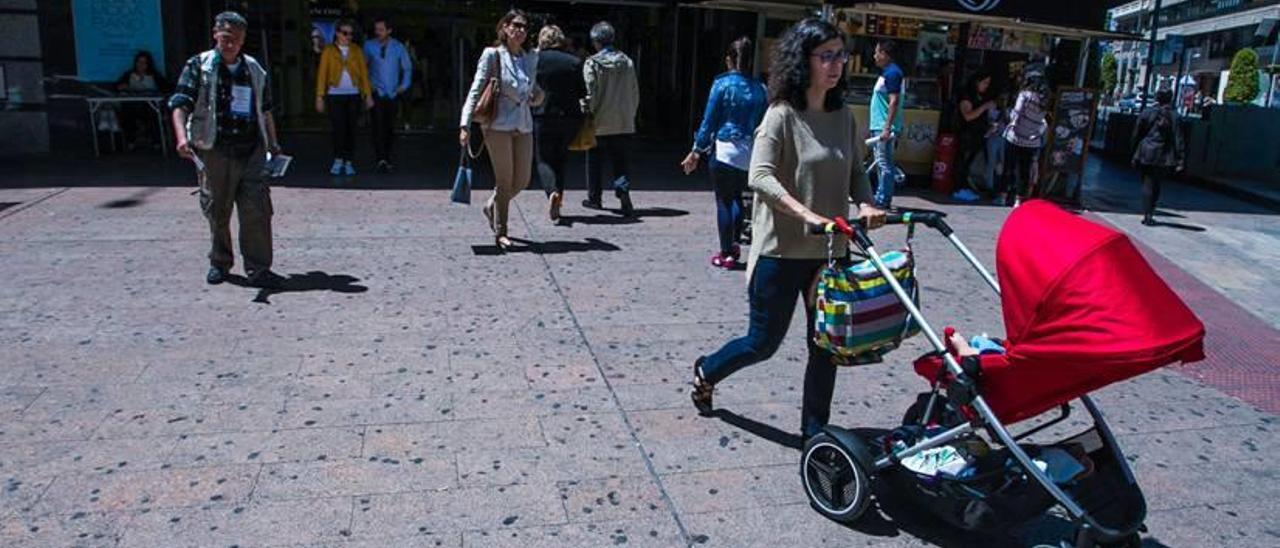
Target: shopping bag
858,317
461,193
585,139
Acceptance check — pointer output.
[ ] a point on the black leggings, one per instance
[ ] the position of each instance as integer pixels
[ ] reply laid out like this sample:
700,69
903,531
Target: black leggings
343,112
1017,168
970,147
554,134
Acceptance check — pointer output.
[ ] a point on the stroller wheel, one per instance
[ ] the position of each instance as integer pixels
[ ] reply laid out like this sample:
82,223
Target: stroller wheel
837,484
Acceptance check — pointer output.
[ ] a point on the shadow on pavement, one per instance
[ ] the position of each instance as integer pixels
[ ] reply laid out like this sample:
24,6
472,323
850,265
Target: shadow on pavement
298,283
760,429
134,200
547,248
1179,226
617,218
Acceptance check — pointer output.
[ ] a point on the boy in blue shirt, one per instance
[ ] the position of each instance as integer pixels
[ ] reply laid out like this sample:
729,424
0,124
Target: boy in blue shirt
886,120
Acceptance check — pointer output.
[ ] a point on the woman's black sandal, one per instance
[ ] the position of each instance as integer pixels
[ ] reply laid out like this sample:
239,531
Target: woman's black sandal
702,390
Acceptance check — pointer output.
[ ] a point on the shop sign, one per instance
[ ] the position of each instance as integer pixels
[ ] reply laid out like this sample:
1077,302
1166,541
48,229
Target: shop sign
1080,14
109,32
978,5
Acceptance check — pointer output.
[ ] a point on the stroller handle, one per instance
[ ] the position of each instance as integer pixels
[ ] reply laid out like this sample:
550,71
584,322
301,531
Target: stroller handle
929,218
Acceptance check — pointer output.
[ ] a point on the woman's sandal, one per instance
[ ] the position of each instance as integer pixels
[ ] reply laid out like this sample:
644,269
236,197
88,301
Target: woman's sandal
702,390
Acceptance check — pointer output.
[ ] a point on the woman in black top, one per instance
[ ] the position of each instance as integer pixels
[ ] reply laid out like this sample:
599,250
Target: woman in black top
560,77
1157,150
973,124
137,119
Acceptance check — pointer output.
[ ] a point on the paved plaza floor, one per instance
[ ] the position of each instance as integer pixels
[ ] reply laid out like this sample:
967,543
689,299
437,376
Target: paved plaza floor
415,388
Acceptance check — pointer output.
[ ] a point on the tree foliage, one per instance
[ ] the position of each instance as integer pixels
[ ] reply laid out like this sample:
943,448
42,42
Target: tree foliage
1110,72
1242,84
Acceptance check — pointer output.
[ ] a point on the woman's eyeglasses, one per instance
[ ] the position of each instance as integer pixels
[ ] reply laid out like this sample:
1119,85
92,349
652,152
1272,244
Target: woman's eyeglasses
828,57
518,26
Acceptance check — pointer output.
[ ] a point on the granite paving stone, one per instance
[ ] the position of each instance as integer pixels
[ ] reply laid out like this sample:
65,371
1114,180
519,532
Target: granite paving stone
288,445
121,489
242,524
354,476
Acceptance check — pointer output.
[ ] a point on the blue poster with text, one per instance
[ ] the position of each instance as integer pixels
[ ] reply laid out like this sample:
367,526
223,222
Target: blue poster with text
110,32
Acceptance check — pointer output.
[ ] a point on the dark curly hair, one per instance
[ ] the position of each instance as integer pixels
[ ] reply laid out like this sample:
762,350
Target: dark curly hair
789,71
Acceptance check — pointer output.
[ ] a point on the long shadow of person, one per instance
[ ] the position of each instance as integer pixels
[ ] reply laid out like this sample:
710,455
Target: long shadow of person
311,281
637,216
547,248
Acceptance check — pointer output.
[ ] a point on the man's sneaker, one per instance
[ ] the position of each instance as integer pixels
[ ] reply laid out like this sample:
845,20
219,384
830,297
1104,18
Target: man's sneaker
592,204
266,279
337,167
216,275
347,168
625,197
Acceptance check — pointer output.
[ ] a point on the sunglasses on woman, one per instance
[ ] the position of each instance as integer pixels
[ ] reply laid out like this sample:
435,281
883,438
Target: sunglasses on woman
828,57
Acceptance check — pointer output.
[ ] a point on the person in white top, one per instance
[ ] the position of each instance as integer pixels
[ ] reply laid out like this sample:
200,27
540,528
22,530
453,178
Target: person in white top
509,134
343,79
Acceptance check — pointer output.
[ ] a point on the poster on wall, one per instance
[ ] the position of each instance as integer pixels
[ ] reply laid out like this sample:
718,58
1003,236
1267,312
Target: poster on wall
109,33
1073,117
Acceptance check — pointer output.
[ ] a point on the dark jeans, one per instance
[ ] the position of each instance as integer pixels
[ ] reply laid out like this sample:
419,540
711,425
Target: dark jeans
553,135
343,111
384,127
233,179
775,286
613,147
728,182
1152,176
1017,168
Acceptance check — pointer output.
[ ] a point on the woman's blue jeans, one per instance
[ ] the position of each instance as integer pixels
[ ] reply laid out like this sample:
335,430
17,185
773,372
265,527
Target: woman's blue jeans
775,286
729,182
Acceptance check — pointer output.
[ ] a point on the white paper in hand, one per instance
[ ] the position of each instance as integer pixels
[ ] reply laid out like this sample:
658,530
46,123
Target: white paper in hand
277,165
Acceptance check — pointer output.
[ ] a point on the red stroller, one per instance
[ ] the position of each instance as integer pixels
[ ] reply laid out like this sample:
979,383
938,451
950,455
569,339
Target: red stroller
1082,310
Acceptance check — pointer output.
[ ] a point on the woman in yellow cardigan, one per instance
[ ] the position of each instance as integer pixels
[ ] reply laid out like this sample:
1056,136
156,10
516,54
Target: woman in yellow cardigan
342,80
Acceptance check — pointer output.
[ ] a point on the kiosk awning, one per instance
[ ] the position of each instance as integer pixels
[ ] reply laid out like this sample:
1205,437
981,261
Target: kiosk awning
1076,19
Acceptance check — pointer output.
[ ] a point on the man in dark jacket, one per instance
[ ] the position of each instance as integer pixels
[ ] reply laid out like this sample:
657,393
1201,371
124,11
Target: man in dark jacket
1157,150
560,77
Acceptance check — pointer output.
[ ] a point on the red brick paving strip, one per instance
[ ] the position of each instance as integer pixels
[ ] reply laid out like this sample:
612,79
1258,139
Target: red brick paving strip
1242,352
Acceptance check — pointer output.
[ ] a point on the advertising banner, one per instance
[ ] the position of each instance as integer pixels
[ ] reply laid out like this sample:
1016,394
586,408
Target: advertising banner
1079,14
109,33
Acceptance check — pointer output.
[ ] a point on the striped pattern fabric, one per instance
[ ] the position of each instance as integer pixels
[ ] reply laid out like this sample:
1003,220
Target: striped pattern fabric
859,318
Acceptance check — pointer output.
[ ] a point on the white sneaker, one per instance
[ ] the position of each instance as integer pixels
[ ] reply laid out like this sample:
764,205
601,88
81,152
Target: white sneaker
348,169
337,167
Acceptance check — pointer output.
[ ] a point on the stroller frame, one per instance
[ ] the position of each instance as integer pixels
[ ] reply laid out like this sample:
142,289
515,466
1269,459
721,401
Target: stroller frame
1090,531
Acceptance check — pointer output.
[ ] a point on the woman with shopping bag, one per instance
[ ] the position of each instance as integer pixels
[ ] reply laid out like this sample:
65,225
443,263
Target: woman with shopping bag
502,94
805,165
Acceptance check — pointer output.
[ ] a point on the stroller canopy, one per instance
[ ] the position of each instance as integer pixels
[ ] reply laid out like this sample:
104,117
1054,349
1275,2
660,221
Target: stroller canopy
1082,308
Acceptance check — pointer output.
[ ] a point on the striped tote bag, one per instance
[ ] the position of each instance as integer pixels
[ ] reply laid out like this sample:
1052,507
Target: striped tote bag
859,318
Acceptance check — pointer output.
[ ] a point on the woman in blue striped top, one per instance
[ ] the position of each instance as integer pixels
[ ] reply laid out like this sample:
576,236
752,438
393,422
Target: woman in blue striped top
735,107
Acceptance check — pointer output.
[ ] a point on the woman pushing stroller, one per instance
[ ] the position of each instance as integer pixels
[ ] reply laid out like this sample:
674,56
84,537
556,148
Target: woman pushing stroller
804,168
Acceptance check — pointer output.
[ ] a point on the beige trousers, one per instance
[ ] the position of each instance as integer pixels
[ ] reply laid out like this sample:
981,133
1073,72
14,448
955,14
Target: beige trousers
512,157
